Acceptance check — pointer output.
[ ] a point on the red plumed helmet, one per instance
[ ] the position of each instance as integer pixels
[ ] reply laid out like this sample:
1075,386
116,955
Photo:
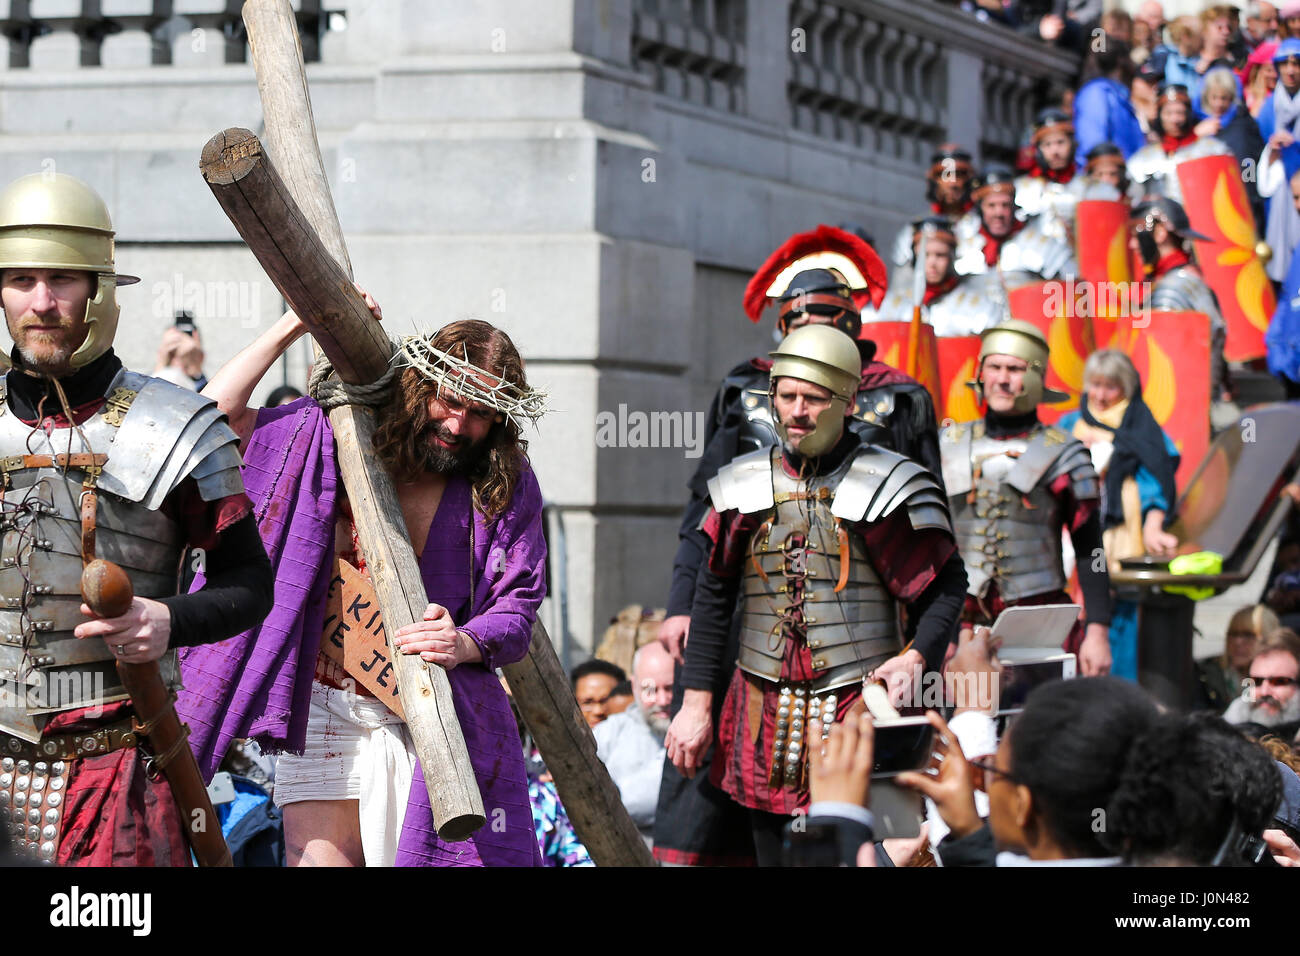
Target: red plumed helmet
825,248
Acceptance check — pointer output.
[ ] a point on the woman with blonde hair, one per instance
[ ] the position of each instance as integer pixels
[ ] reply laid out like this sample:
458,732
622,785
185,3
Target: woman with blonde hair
1227,120
1136,461
1220,676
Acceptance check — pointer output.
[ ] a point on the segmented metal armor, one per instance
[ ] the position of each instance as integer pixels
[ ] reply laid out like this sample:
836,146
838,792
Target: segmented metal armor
1030,255
809,577
999,493
96,488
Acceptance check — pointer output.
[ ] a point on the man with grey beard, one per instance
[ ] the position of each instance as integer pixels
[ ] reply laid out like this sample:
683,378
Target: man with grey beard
631,744
1270,696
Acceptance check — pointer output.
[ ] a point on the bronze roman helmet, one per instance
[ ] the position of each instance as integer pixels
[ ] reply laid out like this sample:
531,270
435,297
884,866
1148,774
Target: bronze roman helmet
1022,340
825,356
53,221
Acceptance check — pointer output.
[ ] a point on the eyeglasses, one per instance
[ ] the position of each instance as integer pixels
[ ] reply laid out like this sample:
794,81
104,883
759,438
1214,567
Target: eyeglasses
1253,681
988,767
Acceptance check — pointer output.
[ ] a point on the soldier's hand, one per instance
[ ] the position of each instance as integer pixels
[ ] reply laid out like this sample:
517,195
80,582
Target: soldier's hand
672,635
691,732
136,637
899,673
1094,652
437,640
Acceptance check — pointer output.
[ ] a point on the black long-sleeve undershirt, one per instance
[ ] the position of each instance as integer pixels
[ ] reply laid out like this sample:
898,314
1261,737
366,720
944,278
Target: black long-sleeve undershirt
1094,579
237,595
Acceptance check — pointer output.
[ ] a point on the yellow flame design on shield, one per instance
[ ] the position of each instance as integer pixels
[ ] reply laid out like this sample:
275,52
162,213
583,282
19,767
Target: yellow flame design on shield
1117,262
1160,389
1239,230
1065,359
960,404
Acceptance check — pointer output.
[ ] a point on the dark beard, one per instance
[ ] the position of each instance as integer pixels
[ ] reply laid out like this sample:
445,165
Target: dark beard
469,461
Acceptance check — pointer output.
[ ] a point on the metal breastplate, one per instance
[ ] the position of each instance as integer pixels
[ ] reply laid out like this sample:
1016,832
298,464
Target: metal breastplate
1053,202
1151,170
1034,253
1004,535
793,597
1184,290
975,304
44,668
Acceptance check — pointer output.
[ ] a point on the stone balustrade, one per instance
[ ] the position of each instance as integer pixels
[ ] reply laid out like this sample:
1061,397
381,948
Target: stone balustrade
52,35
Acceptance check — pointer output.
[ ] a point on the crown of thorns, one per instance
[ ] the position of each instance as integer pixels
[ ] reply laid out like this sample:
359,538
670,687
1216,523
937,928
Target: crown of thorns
458,374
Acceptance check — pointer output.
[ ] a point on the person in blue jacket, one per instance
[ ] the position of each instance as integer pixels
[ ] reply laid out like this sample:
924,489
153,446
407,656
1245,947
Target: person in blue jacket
1103,111
1283,337
1277,125
1136,461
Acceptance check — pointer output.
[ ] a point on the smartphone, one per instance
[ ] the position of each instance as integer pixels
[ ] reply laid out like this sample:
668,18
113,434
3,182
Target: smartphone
1023,669
903,744
185,322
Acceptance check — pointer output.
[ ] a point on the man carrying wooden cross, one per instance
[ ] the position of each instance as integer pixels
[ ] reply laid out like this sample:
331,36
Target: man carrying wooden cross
450,435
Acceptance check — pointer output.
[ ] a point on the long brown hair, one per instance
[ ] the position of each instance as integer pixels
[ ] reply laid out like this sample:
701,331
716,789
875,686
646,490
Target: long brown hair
403,425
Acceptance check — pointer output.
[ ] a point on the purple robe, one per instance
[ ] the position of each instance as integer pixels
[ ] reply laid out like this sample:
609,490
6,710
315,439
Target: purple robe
508,573
258,684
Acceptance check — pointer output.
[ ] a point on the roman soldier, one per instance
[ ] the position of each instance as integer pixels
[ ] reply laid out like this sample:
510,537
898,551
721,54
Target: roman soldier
1017,251
1152,168
826,276
1105,172
953,304
948,191
98,461
1164,238
1050,188
1013,484
815,544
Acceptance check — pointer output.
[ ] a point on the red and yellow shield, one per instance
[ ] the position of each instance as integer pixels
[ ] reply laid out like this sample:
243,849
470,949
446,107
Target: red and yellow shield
957,357
1101,234
1230,261
1051,307
891,348
1171,349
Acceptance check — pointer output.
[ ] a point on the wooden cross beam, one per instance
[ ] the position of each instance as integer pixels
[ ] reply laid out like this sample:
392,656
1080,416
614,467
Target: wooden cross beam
291,226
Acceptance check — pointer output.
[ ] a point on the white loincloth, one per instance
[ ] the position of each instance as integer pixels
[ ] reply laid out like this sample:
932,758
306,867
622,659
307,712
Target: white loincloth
357,749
